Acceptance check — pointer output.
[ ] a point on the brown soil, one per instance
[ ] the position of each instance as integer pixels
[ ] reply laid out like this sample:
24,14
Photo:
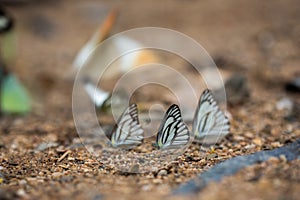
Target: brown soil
49,36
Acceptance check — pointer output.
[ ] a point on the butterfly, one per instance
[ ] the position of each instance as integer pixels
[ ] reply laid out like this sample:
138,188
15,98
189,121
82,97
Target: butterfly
210,123
172,133
127,133
98,96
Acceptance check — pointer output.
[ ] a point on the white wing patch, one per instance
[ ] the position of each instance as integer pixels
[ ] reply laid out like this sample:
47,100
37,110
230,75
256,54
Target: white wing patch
97,95
210,124
173,133
128,133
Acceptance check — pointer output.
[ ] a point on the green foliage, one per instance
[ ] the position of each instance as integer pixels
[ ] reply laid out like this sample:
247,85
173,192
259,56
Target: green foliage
14,97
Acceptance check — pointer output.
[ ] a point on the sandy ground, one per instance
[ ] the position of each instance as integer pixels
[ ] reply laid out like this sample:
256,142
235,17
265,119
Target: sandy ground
258,39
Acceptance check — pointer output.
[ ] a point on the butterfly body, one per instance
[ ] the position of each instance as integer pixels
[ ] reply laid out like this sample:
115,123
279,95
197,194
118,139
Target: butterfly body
210,123
173,133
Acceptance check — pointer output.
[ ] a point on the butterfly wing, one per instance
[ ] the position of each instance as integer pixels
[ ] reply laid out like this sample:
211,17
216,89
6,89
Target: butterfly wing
172,132
210,123
128,132
97,95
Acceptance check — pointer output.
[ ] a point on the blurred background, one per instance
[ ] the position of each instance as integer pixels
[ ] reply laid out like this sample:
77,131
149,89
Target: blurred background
255,44
255,37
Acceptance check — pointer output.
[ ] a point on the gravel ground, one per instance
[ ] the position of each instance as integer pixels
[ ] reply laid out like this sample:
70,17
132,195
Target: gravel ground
41,156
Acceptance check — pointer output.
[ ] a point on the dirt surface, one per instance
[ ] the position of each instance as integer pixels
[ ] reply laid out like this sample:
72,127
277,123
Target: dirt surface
40,153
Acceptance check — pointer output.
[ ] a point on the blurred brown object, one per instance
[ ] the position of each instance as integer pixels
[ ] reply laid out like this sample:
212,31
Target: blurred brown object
237,89
107,25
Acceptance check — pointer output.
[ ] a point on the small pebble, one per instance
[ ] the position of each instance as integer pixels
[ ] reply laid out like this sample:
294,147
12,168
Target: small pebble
250,146
257,141
210,156
14,146
31,179
57,174
249,135
238,138
285,104
22,182
178,180
135,169
157,181
146,187
64,166
46,145
66,178
71,159
275,144
162,172
21,192
283,158
273,160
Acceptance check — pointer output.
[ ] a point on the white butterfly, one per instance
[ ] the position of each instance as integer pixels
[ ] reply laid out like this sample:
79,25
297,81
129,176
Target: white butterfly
97,95
128,133
210,124
172,133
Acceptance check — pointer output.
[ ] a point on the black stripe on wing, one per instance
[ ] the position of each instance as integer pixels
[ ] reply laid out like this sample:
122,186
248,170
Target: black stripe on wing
172,132
170,116
133,111
209,120
128,132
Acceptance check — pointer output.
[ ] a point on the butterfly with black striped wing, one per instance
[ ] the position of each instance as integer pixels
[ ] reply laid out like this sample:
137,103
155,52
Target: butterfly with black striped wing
210,124
127,133
172,133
